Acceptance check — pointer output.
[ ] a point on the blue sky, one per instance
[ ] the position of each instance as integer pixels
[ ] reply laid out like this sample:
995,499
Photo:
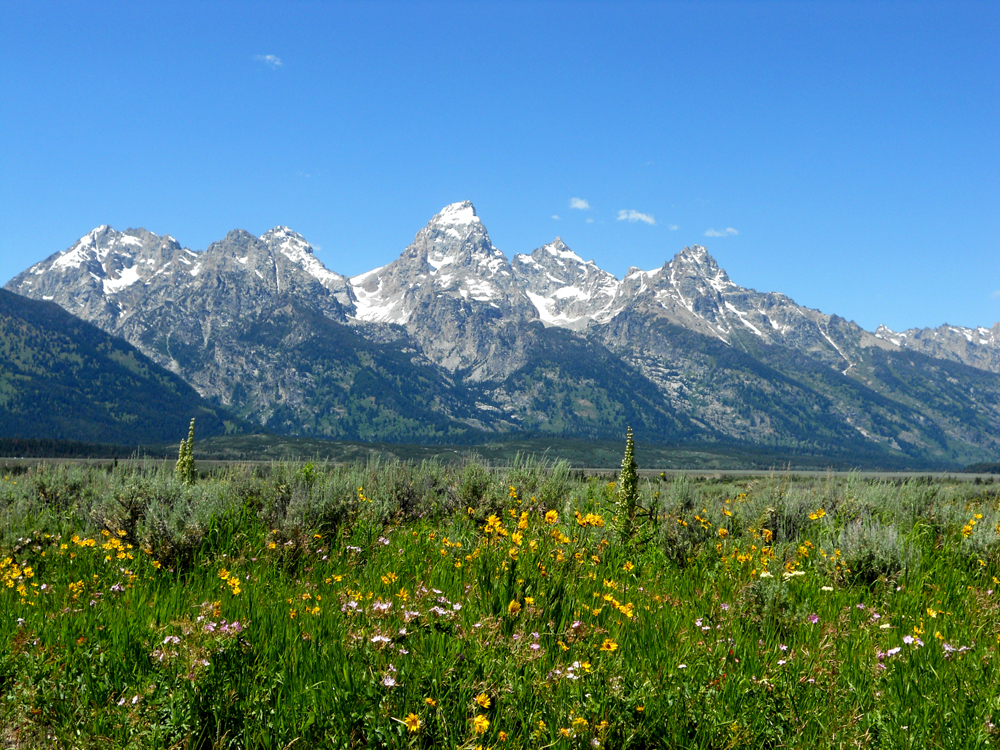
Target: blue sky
848,153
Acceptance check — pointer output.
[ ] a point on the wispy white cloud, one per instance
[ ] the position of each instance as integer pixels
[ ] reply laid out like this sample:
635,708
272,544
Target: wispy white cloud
996,294
633,216
590,221
555,216
580,204
273,60
727,232
673,227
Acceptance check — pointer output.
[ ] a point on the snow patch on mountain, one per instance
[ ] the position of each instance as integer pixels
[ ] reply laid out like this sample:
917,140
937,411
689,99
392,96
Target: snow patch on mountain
127,277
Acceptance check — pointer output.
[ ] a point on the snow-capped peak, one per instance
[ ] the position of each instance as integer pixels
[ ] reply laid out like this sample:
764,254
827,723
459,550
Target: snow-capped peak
462,213
558,249
297,249
287,240
83,249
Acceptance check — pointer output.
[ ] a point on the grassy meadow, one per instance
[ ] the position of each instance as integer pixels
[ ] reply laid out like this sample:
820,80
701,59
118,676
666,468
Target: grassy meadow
456,606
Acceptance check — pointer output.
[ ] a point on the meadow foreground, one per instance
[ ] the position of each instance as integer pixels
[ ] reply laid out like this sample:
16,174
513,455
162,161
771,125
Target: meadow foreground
396,605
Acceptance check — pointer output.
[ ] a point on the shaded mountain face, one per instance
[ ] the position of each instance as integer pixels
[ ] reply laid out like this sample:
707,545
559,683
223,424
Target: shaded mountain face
451,342
63,378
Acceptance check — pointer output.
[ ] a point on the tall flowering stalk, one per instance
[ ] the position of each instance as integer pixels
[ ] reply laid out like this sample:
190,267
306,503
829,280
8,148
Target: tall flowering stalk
627,492
185,458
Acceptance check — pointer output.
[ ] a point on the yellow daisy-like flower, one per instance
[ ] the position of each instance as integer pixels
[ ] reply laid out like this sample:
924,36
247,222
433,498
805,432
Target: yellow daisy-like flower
483,700
430,702
609,645
412,722
480,724
514,607
552,517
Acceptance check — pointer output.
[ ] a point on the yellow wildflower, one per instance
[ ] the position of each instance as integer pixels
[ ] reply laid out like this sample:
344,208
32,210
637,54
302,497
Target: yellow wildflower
412,722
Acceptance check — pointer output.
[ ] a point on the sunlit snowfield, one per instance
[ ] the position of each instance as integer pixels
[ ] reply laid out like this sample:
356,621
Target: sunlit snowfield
395,605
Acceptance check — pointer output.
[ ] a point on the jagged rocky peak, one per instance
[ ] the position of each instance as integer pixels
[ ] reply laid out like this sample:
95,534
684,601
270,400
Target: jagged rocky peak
456,236
455,293
566,290
554,262
558,249
451,256
104,244
978,347
461,214
693,268
284,242
98,268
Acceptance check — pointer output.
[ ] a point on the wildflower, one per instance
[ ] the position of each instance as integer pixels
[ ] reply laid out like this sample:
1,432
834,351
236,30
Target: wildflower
609,645
907,639
480,724
412,722
628,567
483,700
813,618
430,702
552,517
514,607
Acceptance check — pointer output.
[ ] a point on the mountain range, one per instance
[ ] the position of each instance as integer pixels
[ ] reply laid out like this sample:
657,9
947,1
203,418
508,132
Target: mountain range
454,342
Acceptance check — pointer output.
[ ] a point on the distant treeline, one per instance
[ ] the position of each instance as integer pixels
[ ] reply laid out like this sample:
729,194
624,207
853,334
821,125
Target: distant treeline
982,468
41,448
